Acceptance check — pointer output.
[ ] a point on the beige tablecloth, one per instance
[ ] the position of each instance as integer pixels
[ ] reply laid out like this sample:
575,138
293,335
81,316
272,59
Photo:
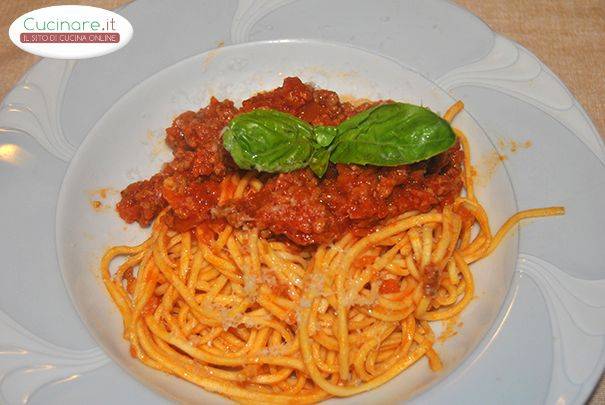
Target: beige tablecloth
568,35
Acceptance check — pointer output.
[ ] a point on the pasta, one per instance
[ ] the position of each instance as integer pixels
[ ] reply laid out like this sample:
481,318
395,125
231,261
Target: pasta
258,319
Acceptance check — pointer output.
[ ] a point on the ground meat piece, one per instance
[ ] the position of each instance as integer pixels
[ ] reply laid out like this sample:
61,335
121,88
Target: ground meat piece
190,200
288,204
354,193
291,97
200,133
431,280
142,201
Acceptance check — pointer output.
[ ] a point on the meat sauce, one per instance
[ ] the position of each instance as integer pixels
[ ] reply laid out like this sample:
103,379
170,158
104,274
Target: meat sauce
296,205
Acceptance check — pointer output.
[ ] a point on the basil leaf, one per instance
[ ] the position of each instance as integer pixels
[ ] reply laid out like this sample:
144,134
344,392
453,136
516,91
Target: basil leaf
269,141
386,135
319,161
392,135
325,135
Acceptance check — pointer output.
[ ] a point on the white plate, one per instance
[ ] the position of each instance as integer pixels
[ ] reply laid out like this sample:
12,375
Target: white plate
537,335
119,145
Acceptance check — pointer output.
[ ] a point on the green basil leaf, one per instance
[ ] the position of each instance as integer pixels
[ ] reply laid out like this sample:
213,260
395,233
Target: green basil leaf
319,161
325,135
392,135
385,135
269,141
356,120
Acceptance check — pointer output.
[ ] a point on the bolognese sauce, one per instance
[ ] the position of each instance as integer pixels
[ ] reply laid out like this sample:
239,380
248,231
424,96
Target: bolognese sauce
296,205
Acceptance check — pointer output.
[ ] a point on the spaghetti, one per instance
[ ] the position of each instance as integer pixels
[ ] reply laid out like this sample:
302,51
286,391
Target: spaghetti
257,319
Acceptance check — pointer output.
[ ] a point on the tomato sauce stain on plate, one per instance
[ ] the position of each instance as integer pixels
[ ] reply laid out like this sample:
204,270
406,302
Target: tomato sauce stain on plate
488,164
